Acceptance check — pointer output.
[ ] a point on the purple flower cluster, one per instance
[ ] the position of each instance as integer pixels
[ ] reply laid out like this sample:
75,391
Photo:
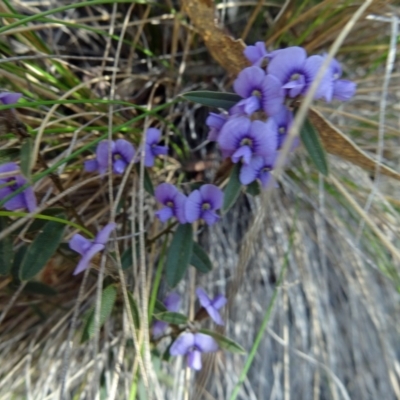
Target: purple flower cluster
121,153
200,204
256,127
193,344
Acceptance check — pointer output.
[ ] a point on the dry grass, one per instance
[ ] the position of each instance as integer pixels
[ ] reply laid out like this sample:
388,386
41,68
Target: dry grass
333,331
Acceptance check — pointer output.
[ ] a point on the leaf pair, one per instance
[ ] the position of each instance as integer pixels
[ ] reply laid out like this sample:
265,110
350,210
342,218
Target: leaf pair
182,252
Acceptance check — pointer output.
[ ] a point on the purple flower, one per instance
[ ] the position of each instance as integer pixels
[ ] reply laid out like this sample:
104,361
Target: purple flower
240,138
87,249
173,200
215,122
258,168
280,123
192,345
9,97
296,72
259,91
343,89
212,306
122,153
25,199
203,203
172,303
152,149
256,54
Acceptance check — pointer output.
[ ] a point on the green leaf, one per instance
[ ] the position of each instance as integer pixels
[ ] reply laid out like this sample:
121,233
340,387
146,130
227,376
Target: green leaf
16,266
107,303
172,318
312,143
26,157
40,251
134,311
224,342
233,188
159,307
6,249
253,189
38,224
179,254
200,259
39,288
213,99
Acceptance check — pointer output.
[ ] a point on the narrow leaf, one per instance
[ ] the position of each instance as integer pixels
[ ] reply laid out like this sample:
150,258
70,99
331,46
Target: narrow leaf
213,99
40,251
107,303
159,307
172,317
313,145
134,311
253,189
179,254
6,249
233,188
26,157
200,259
224,342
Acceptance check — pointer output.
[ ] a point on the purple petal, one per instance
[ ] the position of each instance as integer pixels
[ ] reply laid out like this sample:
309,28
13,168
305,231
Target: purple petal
9,97
148,156
119,166
286,62
213,195
194,360
4,191
325,88
172,302
215,122
264,177
232,132
256,54
272,95
103,151
152,136
265,141
193,206
164,214
244,153
79,244
248,80
205,301
249,106
165,192
85,260
205,343
336,68
91,165
179,207
30,199
9,167
15,203
215,316
210,217
296,87
125,149
159,150
343,89
182,344
219,301
104,234
248,173
158,329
